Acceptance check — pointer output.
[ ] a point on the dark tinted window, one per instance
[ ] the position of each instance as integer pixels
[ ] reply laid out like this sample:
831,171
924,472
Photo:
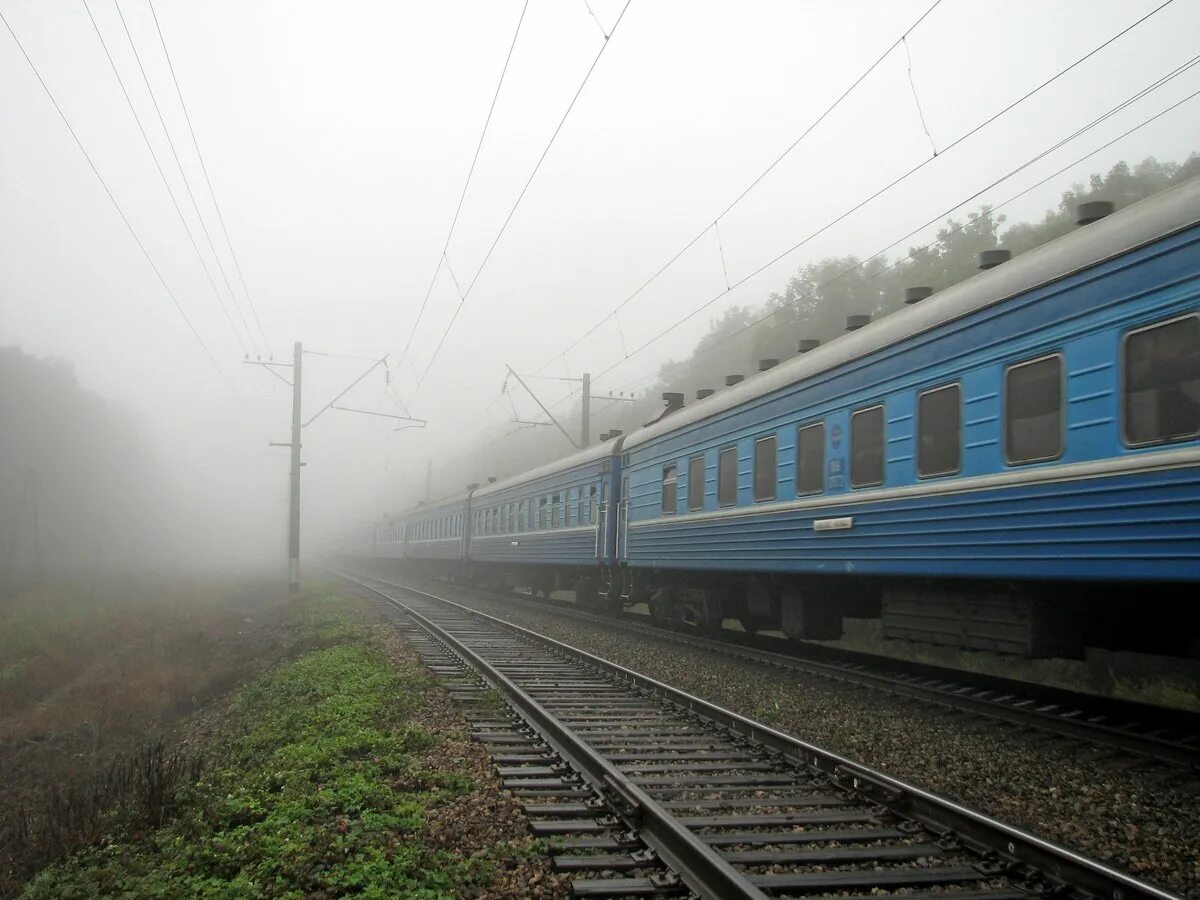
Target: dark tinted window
727,477
866,447
810,459
1162,382
1033,410
670,484
766,464
593,512
696,483
939,431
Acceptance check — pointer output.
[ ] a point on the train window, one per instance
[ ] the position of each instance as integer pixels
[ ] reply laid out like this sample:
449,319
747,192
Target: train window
556,511
670,486
1033,415
766,467
866,447
727,477
1162,382
939,431
696,473
543,514
593,502
810,459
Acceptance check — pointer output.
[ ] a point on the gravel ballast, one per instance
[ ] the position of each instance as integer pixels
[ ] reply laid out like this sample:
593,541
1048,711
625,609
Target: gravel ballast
1139,817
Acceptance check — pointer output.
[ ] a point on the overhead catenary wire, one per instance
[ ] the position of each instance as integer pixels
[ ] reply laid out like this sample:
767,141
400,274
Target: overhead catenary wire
166,184
182,174
208,181
521,196
891,184
117,206
442,259
1165,79
812,126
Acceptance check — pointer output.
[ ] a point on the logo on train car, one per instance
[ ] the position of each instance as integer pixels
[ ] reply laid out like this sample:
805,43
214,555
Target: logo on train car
837,467
835,435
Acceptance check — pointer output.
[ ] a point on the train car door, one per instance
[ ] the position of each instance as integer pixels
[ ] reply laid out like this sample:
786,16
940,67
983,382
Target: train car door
623,520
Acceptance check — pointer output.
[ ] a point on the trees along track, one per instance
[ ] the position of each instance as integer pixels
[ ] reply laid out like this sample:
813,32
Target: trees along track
645,789
1166,735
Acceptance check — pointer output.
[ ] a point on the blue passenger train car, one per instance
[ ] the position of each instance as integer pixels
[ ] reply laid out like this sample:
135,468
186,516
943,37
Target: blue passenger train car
1003,465
548,529
1040,421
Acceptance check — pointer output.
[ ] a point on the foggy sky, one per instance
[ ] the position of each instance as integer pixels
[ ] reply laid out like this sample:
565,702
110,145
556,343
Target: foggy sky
338,137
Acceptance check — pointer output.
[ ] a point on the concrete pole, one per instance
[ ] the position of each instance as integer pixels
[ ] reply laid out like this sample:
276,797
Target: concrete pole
585,415
294,518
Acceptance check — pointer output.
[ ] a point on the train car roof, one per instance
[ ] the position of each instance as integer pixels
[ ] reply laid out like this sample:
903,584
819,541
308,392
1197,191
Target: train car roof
1138,224
582,457
436,507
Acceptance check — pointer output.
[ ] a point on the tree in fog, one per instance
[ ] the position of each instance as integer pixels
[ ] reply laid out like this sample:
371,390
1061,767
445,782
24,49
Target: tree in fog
77,485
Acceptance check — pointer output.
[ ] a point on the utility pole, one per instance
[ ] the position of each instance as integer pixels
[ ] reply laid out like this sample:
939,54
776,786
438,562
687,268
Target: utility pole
294,506
296,384
585,414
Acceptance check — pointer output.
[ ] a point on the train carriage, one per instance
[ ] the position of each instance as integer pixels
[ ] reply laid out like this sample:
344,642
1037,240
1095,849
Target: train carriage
954,466
549,528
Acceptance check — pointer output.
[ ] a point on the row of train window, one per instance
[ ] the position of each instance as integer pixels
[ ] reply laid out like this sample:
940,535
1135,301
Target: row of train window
1160,404
434,529
576,506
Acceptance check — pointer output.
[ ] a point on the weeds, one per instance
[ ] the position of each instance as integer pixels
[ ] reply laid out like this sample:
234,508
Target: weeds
316,789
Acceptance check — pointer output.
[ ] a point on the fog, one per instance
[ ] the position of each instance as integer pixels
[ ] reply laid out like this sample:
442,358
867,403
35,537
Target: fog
337,138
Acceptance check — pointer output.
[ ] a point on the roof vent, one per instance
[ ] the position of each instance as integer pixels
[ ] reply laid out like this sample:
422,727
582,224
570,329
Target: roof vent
605,436
764,364
731,380
853,323
1093,211
704,392
808,344
491,479
473,486
674,399
916,294
989,259
616,432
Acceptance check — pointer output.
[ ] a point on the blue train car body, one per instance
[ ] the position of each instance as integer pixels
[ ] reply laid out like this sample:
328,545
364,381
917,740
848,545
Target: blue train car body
992,454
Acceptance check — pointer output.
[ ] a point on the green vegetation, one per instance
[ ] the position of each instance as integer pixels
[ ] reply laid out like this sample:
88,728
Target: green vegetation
317,786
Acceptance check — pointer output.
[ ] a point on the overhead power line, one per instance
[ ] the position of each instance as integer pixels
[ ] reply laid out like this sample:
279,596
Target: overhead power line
521,196
892,184
714,222
158,274
166,184
179,165
992,210
442,259
208,181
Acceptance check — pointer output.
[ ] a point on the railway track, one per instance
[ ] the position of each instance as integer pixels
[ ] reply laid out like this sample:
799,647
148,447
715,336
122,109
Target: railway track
1162,734
643,789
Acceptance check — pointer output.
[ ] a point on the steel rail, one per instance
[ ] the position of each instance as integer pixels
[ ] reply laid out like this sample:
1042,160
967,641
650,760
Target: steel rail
701,867
1059,711
1040,865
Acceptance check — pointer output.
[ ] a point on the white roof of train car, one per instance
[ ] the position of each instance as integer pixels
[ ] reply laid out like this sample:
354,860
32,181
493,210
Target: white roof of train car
1145,221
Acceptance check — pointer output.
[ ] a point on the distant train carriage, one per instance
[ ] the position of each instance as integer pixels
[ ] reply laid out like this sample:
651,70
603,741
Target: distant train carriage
1036,426
435,536
547,529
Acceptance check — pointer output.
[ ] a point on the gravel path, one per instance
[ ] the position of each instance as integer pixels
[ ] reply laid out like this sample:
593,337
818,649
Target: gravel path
1140,818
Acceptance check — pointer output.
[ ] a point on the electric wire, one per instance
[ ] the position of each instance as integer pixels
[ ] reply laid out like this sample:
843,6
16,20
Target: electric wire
520,197
829,110
124,218
1141,94
894,182
166,184
463,196
208,181
183,175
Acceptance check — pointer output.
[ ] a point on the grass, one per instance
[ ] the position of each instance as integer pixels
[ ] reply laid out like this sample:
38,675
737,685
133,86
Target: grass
315,787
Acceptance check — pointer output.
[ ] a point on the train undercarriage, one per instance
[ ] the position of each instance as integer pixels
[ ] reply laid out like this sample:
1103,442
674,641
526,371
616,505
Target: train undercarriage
1031,619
